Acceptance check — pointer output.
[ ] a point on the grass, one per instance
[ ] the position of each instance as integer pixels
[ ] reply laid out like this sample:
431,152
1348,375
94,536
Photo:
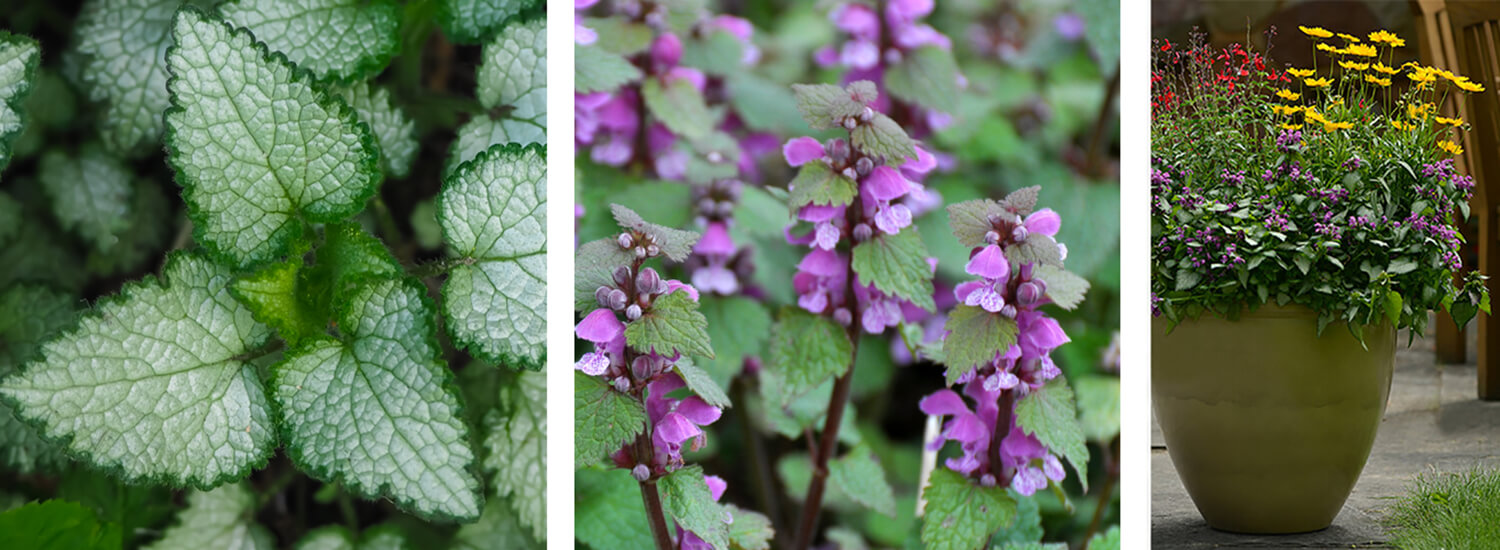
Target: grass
1448,511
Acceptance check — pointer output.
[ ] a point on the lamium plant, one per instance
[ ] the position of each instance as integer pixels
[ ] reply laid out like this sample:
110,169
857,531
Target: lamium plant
1332,187
333,275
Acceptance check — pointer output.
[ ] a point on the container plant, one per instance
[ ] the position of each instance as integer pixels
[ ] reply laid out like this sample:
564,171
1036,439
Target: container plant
1300,217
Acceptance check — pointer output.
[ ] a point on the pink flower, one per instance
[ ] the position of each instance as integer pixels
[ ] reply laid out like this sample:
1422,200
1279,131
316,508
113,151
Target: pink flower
802,150
820,280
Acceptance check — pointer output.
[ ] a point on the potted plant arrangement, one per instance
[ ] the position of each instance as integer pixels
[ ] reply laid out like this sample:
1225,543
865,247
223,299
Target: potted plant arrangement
1300,218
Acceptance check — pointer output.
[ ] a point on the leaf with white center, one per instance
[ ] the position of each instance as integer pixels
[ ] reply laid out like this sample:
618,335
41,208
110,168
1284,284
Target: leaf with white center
517,445
1051,415
896,265
124,68
337,39
497,528
603,419
19,56
144,236
512,89
221,518
377,411
685,498
961,514
154,383
259,150
493,211
90,192
29,315
336,537
471,21
394,131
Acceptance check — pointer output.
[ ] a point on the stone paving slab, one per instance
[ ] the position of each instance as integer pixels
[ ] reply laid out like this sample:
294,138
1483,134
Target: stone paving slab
1433,422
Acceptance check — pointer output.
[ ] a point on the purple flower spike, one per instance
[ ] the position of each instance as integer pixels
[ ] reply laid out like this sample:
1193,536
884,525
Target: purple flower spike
989,263
600,327
1044,221
802,150
676,428
856,19
715,241
666,51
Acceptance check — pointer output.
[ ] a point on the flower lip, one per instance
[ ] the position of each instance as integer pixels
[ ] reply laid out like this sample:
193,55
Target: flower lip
600,326
989,263
886,183
802,150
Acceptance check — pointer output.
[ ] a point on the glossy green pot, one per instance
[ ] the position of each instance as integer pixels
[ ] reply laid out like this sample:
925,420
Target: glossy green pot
1268,424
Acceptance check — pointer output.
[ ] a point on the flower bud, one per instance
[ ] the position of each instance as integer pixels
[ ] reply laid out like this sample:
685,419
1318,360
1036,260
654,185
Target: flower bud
842,316
1041,286
864,165
646,281
1009,311
992,237
617,299
725,209
640,253
625,240
640,472
987,480
733,189
838,150
622,384
862,232
642,368
706,205
867,114
850,173
653,251
850,123
1028,293
634,312
893,56
621,275
1026,271
1019,234
601,295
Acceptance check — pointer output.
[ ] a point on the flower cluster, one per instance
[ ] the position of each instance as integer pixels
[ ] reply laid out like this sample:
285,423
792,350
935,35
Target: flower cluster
996,450
875,40
718,264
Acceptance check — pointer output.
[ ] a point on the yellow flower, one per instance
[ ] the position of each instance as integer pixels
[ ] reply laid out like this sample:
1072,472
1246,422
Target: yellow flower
1421,76
1380,67
1327,48
1310,115
1449,121
1288,95
1417,111
1469,86
1451,147
1400,126
1318,82
1285,126
1354,66
1286,109
1349,38
1300,73
1362,50
1316,32
1331,126
1382,37
1375,80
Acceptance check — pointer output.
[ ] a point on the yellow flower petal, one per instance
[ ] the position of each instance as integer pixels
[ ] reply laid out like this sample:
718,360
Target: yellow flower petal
1316,32
1288,95
1318,82
1300,73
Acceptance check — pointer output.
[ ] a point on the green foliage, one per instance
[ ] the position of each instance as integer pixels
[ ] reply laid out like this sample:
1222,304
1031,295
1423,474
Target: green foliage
826,106
860,476
336,39
471,21
19,56
960,515
738,327
394,131
56,524
29,315
675,244
512,81
596,70
926,76
517,449
121,44
817,183
1108,540
679,105
221,518
1099,407
896,265
603,419
606,510
807,350
686,499
1447,510
974,337
672,325
1051,416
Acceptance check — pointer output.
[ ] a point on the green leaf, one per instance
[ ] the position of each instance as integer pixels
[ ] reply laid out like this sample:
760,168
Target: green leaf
259,150
33,256
621,35
143,238
974,337
19,56
1037,249
222,518
1393,306
1063,287
497,528
896,265
701,383
686,499
140,510
517,449
607,510
394,131
512,80
882,136
593,266
1101,26
337,537
720,53
676,244
170,354
343,40
29,316
1108,540
596,70
603,419
10,217
738,326
91,194
471,21
765,105
817,183
494,217
961,515
970,220
926,76
1022,201
377,410
807,350
123,67
274,295
670,326
749,530
57,524
1050,415
860,476
680,106
1099,407
825,106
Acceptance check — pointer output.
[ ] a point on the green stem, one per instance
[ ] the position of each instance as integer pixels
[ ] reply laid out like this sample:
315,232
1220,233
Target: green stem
346,507
387,222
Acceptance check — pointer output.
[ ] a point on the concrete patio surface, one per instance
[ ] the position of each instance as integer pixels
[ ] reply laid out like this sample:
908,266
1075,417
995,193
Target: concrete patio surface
1433,422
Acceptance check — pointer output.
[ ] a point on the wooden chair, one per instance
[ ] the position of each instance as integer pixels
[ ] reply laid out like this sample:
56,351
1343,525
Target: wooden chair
1464,36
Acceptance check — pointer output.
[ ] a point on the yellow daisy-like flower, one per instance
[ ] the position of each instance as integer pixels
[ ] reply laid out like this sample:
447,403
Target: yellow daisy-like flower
1382,37
1416,111
1469,86
1349,38
1318,82
1284,110
1449,121
1421,77
1285,126
1354,66
1332,126
1316,32
1327,48
1313,116
1403,126
1380,67
1383,82
1288,95
1300,73
1451,147
1362,50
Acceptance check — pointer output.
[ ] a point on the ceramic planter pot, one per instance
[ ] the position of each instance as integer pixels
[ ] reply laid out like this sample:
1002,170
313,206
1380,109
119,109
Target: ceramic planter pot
1268,424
